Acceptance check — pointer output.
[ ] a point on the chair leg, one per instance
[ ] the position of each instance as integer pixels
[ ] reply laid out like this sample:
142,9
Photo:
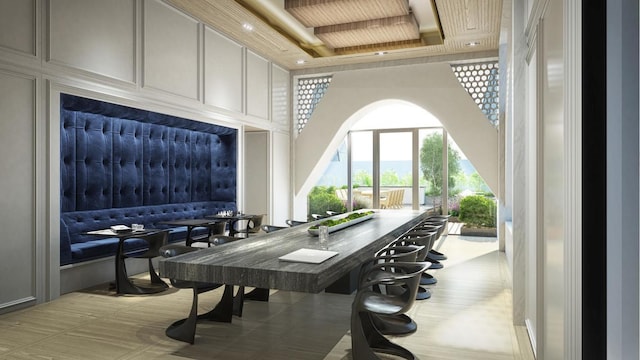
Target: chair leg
400,324
360,348
423,293
427,279
366,339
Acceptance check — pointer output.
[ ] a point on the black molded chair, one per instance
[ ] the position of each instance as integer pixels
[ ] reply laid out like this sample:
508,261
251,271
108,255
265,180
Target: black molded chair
222,239
425,238
400,324
294,222
156,241
444,221
272,228
215,229
366,339
437,227
185,329
252,227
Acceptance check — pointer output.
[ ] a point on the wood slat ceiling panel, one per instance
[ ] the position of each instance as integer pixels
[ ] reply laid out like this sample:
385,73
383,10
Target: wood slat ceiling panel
397,28
268,40
314,13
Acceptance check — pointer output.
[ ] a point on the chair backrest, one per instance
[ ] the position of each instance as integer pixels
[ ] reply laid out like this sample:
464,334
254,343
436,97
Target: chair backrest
255,224
428,226
172,250
294,222
399,198
223,239
399,253
271,228
420,237
402,276
156,241
217,228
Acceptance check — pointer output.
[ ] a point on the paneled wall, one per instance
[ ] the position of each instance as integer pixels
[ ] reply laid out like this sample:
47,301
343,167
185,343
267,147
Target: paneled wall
223,72
176,71
139,53
18,258
103,45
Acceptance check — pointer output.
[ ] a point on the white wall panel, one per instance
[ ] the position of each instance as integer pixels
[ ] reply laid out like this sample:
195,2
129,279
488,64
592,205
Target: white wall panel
18,26
529,209
222,71
170,50
281,188
257,86
94,35
280,96
256,172
17,193
553,182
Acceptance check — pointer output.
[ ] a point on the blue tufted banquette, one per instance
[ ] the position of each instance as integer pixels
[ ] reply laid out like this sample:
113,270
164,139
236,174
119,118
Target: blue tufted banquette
121,165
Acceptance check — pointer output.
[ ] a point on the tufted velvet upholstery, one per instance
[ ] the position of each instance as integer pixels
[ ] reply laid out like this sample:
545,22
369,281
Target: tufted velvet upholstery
121,165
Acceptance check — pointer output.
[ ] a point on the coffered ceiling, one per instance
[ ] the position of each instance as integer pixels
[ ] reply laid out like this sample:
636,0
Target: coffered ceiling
302,34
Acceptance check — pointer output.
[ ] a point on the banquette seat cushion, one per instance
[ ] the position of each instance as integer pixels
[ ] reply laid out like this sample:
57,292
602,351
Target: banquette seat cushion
76,247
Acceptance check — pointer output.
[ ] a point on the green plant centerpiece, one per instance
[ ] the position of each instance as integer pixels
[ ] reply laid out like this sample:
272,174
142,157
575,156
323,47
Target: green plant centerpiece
341,223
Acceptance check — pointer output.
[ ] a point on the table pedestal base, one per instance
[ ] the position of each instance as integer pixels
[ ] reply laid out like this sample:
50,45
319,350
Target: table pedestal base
185,329
346,285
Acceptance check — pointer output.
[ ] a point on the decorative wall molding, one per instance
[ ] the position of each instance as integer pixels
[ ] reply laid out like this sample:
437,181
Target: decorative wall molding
18,134
177,71
107,46
25,16
573,179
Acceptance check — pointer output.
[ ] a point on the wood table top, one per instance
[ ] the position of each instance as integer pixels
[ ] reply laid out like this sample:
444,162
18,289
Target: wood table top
254,261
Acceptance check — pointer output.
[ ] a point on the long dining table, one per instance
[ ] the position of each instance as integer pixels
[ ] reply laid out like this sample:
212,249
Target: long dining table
254,262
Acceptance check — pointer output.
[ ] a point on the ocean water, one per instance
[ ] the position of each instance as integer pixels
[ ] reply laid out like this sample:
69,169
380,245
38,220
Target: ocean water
336,172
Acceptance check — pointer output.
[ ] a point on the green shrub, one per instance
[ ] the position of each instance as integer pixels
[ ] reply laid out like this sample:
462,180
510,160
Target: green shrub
323,198
477,210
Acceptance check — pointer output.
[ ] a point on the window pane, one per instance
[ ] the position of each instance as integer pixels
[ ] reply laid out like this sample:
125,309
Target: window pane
396,173
362,168
431,166
327,194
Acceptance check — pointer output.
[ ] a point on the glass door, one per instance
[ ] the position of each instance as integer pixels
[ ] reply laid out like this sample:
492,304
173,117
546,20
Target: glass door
361,160
395,183
431,169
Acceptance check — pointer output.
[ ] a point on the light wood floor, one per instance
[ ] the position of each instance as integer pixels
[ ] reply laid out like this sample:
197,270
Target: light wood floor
467,317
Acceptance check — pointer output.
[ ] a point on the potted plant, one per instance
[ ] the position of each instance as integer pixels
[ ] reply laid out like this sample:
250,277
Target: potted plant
478,213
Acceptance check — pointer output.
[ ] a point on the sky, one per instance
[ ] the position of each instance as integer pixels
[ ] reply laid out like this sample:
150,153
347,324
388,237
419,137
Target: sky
394,146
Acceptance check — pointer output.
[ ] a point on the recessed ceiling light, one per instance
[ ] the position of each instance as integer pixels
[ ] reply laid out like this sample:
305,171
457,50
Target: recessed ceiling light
472,43
247,27
300,62
380,53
